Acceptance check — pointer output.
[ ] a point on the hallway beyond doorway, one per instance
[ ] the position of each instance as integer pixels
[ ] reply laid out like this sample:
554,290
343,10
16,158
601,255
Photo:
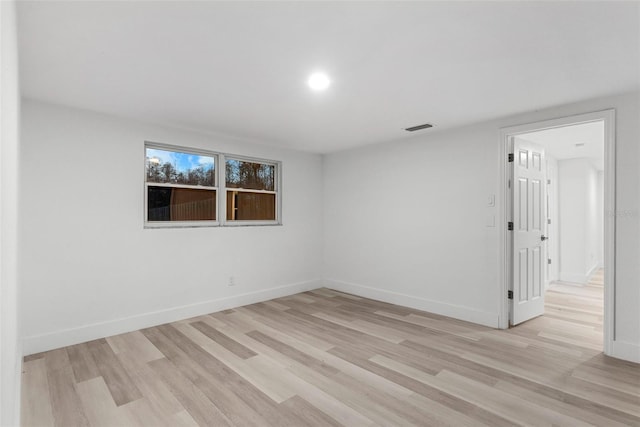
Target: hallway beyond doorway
574,310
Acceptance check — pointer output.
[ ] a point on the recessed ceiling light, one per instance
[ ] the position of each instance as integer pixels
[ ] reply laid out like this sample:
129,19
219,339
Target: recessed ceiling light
318,81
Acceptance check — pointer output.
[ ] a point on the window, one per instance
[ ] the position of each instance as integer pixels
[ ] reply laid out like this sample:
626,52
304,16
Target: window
185,187
250,190
180,186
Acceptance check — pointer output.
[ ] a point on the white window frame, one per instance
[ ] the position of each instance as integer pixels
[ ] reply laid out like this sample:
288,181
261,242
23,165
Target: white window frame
276,190
216,188
220,188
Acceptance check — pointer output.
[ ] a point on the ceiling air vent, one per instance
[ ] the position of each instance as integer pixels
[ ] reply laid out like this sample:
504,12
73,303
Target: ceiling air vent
415,128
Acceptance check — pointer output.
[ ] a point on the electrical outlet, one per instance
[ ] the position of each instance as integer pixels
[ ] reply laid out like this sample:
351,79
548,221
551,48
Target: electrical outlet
232,281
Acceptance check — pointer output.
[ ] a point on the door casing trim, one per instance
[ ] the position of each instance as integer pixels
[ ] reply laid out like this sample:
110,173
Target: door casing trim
505,208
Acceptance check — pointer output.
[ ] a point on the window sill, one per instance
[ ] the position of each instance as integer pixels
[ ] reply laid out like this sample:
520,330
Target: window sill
213,225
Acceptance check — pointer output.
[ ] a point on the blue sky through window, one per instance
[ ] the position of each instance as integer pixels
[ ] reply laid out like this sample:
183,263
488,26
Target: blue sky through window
181,161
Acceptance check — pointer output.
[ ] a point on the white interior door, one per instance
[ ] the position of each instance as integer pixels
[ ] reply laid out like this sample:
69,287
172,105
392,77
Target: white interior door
529,218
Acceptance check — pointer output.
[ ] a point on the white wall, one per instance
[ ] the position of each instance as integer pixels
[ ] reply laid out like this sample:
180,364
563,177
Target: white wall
593,204
406,221
627,217
10,346
579,228
90,269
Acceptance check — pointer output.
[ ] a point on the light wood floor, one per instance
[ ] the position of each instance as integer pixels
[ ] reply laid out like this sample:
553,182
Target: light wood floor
580,305
327,358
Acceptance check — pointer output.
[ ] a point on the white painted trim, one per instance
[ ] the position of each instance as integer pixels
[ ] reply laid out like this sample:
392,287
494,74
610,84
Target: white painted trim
182,149
38,343
609,241
18,385
244,190
436,307
592,271
503,204
170,185
626,351
573,277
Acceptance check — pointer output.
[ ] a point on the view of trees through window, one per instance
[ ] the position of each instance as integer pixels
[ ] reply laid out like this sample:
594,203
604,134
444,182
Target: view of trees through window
249,175
171,167
246,184
182,186
169,201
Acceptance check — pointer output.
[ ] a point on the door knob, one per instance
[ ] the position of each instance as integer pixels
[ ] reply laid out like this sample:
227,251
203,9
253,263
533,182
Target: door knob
543,238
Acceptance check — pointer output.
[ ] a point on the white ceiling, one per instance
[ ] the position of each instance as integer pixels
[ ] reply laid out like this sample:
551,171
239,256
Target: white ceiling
240,68
561,142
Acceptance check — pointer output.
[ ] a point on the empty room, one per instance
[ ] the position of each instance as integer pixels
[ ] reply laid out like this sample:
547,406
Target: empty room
315,213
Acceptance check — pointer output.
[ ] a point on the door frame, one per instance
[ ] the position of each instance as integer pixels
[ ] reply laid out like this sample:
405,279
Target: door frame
506,207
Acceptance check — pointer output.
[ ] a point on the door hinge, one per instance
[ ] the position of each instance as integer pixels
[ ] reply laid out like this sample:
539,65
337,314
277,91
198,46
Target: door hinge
510,294
549,182
510,226
511,157
549,221
549,261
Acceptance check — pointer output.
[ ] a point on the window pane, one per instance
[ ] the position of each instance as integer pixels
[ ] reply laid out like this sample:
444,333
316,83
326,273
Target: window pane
180,168
246,206
180,204
249,175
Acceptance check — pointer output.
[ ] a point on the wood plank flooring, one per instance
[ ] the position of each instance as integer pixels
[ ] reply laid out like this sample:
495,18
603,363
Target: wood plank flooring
324,358
578,306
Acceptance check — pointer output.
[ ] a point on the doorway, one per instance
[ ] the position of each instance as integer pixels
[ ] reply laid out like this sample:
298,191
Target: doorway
538,255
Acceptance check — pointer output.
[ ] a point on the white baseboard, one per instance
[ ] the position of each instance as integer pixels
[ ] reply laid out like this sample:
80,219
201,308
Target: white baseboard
38,343
592,271
625,351
577,277
436,307
572,277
